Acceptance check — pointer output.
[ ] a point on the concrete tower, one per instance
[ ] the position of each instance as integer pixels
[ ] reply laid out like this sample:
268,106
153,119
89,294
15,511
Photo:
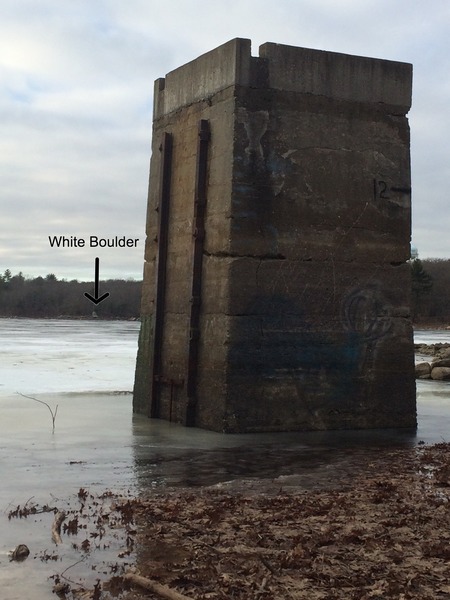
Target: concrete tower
276,284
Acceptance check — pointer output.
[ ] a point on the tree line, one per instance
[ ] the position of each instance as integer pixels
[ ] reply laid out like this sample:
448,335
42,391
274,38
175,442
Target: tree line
431,290
51,297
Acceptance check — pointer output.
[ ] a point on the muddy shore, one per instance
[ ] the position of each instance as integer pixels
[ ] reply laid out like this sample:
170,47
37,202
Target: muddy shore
250,516
383,533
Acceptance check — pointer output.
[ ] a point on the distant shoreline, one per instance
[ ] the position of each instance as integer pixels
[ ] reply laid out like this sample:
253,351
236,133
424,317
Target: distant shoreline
432,325
422,325
70,318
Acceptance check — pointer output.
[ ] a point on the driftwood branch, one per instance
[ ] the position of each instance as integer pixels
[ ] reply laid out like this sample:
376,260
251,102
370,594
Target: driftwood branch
52,412
56,527
153,586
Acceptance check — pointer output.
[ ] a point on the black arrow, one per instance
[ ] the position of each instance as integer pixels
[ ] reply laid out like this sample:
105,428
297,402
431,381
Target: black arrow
95,298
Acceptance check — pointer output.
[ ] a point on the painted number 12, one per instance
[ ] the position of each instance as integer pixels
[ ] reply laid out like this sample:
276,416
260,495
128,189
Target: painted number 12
381,189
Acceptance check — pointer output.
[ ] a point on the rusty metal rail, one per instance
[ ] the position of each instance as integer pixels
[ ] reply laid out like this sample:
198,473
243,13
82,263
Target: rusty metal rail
198,235
161,271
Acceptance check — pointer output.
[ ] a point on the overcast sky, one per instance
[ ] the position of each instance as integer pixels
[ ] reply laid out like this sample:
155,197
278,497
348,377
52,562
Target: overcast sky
76,109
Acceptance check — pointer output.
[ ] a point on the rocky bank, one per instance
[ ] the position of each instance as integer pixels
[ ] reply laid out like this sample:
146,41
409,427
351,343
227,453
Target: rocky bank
438,367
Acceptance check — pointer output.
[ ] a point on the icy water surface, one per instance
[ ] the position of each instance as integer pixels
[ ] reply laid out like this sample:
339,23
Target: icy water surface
42,356
86,368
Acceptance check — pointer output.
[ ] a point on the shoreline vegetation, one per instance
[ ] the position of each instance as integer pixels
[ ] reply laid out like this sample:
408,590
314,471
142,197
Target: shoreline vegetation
52,298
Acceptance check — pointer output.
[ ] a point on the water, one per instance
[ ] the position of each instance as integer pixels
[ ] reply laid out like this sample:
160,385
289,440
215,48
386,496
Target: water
42,356
432,336
86,369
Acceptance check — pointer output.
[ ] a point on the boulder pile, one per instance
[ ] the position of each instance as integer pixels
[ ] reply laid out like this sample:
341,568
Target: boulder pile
438,367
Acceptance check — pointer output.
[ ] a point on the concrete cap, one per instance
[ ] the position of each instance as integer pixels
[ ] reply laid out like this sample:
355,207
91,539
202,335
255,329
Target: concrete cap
290,68
341,76
216,70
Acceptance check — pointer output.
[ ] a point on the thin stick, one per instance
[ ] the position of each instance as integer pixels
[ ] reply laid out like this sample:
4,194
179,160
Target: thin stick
45,404
56,527
153,586
71,580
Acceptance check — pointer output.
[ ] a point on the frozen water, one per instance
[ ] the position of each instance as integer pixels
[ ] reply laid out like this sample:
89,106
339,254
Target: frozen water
42,356
431,336
87,369
79,366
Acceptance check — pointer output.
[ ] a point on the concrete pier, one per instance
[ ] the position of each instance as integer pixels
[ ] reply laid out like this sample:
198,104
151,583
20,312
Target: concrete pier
276,284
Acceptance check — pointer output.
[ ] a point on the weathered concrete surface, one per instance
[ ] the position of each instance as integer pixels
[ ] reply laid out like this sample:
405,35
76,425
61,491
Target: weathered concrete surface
305,319
339,76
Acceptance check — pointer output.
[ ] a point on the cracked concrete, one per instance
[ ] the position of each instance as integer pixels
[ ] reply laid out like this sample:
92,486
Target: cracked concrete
255,256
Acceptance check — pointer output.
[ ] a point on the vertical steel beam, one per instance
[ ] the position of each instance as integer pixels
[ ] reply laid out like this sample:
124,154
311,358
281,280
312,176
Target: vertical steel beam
161,271
198,235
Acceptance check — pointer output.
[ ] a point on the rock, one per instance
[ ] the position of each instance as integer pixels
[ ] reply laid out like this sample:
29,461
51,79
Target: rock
20,553
440,373
428,349
439,350
423,370
440,362
61,589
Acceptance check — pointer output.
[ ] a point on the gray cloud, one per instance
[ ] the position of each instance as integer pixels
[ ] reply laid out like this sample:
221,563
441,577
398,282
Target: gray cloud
76,101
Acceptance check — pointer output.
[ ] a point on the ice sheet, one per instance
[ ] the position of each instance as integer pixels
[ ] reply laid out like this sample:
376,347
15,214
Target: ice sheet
42,356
